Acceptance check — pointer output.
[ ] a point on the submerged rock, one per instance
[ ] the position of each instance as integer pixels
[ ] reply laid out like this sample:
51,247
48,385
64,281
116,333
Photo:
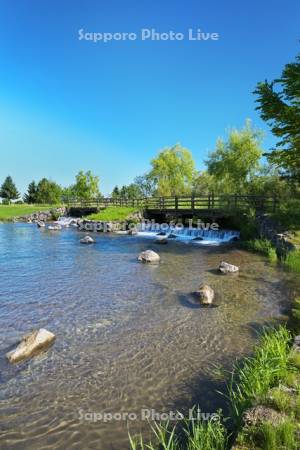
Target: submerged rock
161,241
198,238
149,256
225,267
206,294
161,233
172,236
31,344
87,240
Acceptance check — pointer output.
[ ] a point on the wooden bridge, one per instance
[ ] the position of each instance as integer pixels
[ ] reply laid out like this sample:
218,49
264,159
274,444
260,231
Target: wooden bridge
209,204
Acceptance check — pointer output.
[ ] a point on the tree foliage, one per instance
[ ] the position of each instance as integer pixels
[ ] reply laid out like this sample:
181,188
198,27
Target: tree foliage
31,194
173,171
8,190
279,105
48,192
86,186
236,161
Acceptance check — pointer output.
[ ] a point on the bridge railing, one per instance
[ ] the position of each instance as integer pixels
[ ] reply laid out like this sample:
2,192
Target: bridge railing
191,203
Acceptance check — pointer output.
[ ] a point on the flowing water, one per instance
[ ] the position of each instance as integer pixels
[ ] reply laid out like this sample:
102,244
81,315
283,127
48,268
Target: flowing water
129,336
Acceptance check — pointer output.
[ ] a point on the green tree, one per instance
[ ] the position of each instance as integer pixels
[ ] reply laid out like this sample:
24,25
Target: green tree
8,190
116,192
236,161
279,105
146,185
86,186
30,196
48,192
173,171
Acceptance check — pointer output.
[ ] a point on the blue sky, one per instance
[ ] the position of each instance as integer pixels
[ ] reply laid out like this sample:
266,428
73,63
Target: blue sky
67,105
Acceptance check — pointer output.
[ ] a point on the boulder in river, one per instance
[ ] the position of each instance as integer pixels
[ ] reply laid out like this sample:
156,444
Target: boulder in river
206,294
40,224
87,240
31,344
225,267
198,238
172,236
149,256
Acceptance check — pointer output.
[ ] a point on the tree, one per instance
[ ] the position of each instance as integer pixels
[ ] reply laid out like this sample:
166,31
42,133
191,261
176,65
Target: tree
115,193
86,186
173,171
31,194
146,185
8,190
48,192
279,105
236,161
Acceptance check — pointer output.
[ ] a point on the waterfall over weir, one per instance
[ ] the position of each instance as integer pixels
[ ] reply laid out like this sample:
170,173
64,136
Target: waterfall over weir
197,235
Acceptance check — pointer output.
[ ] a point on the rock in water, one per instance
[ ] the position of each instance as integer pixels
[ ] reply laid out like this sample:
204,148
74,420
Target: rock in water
206,294
225,267
31,344
87,240
149,256
40,224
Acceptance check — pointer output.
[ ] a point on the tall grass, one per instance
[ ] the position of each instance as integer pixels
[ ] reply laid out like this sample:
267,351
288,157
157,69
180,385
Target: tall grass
195,435
292,261
263,246
251,380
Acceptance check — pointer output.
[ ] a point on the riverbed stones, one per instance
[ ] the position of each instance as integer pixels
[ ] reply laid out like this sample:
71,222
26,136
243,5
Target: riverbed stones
87,240
149,256
31,344
206,294
225,267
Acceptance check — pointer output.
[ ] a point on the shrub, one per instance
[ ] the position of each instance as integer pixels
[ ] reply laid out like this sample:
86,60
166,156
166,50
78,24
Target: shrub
292,261
263,246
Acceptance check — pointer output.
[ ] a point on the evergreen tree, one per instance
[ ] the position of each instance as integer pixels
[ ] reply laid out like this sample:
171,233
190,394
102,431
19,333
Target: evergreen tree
31,194
8,190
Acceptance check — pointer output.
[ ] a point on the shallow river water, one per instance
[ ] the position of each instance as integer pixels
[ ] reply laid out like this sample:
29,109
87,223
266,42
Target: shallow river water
129,336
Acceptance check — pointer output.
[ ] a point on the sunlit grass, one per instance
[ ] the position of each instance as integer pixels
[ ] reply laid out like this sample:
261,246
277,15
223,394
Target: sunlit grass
263,246
292,261
113,213
8,212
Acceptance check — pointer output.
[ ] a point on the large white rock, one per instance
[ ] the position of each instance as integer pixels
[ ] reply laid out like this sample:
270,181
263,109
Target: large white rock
87,240
225,267
149,256
31,344
206,294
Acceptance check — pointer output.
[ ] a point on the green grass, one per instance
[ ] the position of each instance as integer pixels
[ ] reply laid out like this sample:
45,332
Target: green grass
269,437
8,212
258,373
292,261
113,213
197,434
263,246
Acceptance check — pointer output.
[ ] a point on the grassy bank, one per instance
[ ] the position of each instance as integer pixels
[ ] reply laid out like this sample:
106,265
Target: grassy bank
268,381
113,213
8,212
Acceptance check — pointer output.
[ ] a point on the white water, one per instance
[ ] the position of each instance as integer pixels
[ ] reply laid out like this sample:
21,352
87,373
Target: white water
66,221
210,237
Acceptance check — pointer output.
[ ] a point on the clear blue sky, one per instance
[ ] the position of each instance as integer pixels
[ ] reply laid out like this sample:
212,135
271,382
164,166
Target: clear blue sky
67,105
